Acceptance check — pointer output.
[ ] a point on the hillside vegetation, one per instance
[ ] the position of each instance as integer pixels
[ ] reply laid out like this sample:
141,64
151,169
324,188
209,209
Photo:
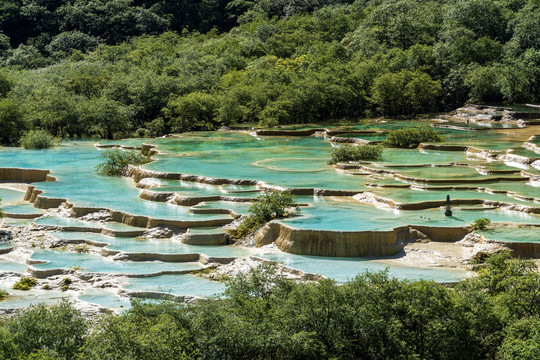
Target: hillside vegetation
109,68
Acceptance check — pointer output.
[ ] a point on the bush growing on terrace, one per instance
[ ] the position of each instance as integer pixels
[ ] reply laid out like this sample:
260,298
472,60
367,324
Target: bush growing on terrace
356,153
410,138
115,161
25,283
480,224
268,206
37,139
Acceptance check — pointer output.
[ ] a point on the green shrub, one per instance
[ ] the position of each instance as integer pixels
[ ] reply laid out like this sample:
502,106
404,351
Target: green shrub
157,127
268,206
114,162
37,139
356,153
12,122
480,224
142,133
56,331
3,294
8,349
82,248
25,283
412,137
64,284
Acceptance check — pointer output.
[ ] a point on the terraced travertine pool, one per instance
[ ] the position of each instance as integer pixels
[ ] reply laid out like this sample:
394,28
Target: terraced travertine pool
353,201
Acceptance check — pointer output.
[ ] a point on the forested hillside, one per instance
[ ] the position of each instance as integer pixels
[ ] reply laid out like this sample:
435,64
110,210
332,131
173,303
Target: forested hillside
118,68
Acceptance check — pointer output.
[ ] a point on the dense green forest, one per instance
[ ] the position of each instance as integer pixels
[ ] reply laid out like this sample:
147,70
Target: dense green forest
96,68
493,316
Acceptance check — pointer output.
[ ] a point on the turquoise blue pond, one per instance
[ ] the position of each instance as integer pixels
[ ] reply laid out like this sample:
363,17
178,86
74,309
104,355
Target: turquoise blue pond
73,165
106,299
411,195
94,263
237,207
68,222
8,196
291,162
345,269
16,222
178,285
167,246
327,215
513,234
75,235
296,162
21,299
22,209
12,266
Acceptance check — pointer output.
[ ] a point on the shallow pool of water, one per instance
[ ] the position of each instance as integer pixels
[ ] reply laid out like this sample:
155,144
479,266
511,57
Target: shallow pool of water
178,285
513,234
8,196
296,162
350,216
11,266
345,269
94,263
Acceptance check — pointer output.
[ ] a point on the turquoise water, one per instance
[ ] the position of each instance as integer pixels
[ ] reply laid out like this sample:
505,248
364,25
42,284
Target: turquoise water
439,173
75,235
327,215
237,207
68,222
167,246
297,162
106,299
8,196
525,152
16,222
345,269
410,195
94,263
12,266
22,209
21,299
513,234
178,285
522,188
290,162
73,164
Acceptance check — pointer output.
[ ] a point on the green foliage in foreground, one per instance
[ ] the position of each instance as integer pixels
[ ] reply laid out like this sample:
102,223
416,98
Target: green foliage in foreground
37,139
410,138
495,315
268,206
356,153
115,161
52,332
25,283
480,224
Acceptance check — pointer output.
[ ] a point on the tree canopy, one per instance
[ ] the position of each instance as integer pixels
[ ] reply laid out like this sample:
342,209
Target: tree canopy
108,68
